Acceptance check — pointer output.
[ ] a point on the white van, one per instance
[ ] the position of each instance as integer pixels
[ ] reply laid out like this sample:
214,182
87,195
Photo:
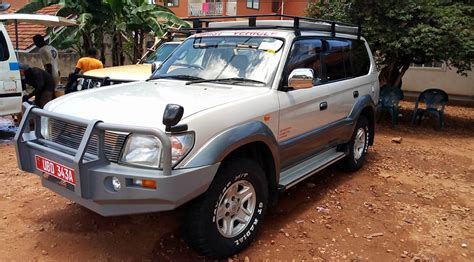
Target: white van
10,78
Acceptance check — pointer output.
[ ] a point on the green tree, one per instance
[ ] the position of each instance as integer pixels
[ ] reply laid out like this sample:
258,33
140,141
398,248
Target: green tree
132,20
401,32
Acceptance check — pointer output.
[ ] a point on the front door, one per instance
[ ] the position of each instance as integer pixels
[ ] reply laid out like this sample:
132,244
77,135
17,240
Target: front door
303,112
10,82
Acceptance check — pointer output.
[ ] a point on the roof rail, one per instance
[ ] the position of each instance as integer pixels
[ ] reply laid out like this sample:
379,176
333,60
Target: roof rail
202,24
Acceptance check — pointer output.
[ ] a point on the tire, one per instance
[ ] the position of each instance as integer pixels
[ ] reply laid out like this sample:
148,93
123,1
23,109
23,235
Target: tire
205,221
358,146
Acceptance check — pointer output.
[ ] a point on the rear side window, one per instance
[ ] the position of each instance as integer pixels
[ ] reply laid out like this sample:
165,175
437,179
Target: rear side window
337,59
360,59
4,53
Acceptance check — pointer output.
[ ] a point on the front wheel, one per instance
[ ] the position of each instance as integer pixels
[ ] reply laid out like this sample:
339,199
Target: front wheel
359,145
226,218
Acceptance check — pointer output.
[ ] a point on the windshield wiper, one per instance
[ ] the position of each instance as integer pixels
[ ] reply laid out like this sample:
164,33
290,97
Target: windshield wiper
233,79
179,77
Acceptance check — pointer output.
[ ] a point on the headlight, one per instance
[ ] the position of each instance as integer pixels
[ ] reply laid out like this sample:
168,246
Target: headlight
142,151
45,127
146,150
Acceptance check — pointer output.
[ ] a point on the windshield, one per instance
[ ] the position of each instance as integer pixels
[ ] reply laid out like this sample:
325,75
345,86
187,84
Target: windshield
161,53
252,60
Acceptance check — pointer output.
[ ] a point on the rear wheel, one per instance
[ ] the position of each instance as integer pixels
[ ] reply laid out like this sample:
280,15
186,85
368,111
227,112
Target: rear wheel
226,218
359,145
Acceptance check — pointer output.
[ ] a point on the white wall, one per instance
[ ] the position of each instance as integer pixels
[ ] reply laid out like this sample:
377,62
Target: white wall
418,79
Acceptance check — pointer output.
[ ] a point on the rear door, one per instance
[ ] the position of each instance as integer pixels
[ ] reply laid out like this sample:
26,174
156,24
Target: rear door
10,81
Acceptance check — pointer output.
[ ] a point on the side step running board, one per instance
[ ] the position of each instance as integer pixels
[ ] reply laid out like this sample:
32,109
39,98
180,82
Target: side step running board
309,167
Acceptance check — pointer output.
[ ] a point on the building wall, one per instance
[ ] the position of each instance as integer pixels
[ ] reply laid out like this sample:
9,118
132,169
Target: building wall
67,62
296,8
264,8
181,10
290,7
419,79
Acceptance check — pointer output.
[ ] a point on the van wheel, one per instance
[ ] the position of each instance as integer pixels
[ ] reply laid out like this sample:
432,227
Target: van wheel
226,218
359,145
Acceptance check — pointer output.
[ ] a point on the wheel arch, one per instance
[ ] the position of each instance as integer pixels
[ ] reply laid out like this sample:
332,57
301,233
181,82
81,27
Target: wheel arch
252,140
261,153
365,107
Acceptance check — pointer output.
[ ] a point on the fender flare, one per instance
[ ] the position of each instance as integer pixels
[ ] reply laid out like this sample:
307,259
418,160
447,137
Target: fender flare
362,103
223,144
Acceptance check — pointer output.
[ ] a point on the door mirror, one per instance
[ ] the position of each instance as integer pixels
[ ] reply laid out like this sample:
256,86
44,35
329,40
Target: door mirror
301,78
155,65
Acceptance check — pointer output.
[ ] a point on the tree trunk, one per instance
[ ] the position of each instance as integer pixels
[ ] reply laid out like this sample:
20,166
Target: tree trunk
115,58
120,49
141,45
87,43
136,40
102,53
392,74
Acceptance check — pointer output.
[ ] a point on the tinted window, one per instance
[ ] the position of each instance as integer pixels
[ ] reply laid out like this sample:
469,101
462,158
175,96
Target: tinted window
306,53
4,53
161,53
360,58
337,59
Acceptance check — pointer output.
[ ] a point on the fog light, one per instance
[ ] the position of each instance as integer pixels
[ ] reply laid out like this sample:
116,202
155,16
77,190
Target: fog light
116,183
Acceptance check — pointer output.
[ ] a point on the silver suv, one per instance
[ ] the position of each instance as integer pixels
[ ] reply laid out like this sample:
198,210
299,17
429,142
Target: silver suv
239,112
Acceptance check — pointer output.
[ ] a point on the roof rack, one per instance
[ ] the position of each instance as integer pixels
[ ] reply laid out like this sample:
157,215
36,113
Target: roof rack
200,24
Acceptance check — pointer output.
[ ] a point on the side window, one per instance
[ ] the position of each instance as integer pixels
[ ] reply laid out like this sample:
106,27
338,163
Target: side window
337,59
360,58
4,53
306,53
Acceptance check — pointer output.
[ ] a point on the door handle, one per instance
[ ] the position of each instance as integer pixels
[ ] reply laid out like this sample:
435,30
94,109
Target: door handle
356,94
323,106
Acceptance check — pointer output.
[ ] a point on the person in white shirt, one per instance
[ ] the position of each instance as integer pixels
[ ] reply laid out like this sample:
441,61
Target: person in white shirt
49,56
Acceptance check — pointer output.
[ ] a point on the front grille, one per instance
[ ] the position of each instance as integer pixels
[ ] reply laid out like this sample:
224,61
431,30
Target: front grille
70,135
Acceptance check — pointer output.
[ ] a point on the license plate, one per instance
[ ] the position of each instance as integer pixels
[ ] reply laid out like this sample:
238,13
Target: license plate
54,169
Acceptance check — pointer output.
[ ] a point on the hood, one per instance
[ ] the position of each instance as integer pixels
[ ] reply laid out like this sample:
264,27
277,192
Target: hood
143,103
123,73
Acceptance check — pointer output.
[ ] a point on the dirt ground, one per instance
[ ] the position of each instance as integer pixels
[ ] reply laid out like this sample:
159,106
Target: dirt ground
412,201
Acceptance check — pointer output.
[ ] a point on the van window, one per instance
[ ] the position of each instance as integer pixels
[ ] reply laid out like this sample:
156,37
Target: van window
360,58
306,53
4,53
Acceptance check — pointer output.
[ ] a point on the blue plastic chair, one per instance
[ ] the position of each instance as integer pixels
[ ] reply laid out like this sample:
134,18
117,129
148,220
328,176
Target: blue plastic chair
390,99
435,100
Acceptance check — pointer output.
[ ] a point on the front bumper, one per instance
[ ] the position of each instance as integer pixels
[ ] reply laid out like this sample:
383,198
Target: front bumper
93,188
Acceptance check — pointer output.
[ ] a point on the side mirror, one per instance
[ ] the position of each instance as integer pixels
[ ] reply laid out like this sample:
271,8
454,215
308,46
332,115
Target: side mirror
155,65
301,78
171,117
